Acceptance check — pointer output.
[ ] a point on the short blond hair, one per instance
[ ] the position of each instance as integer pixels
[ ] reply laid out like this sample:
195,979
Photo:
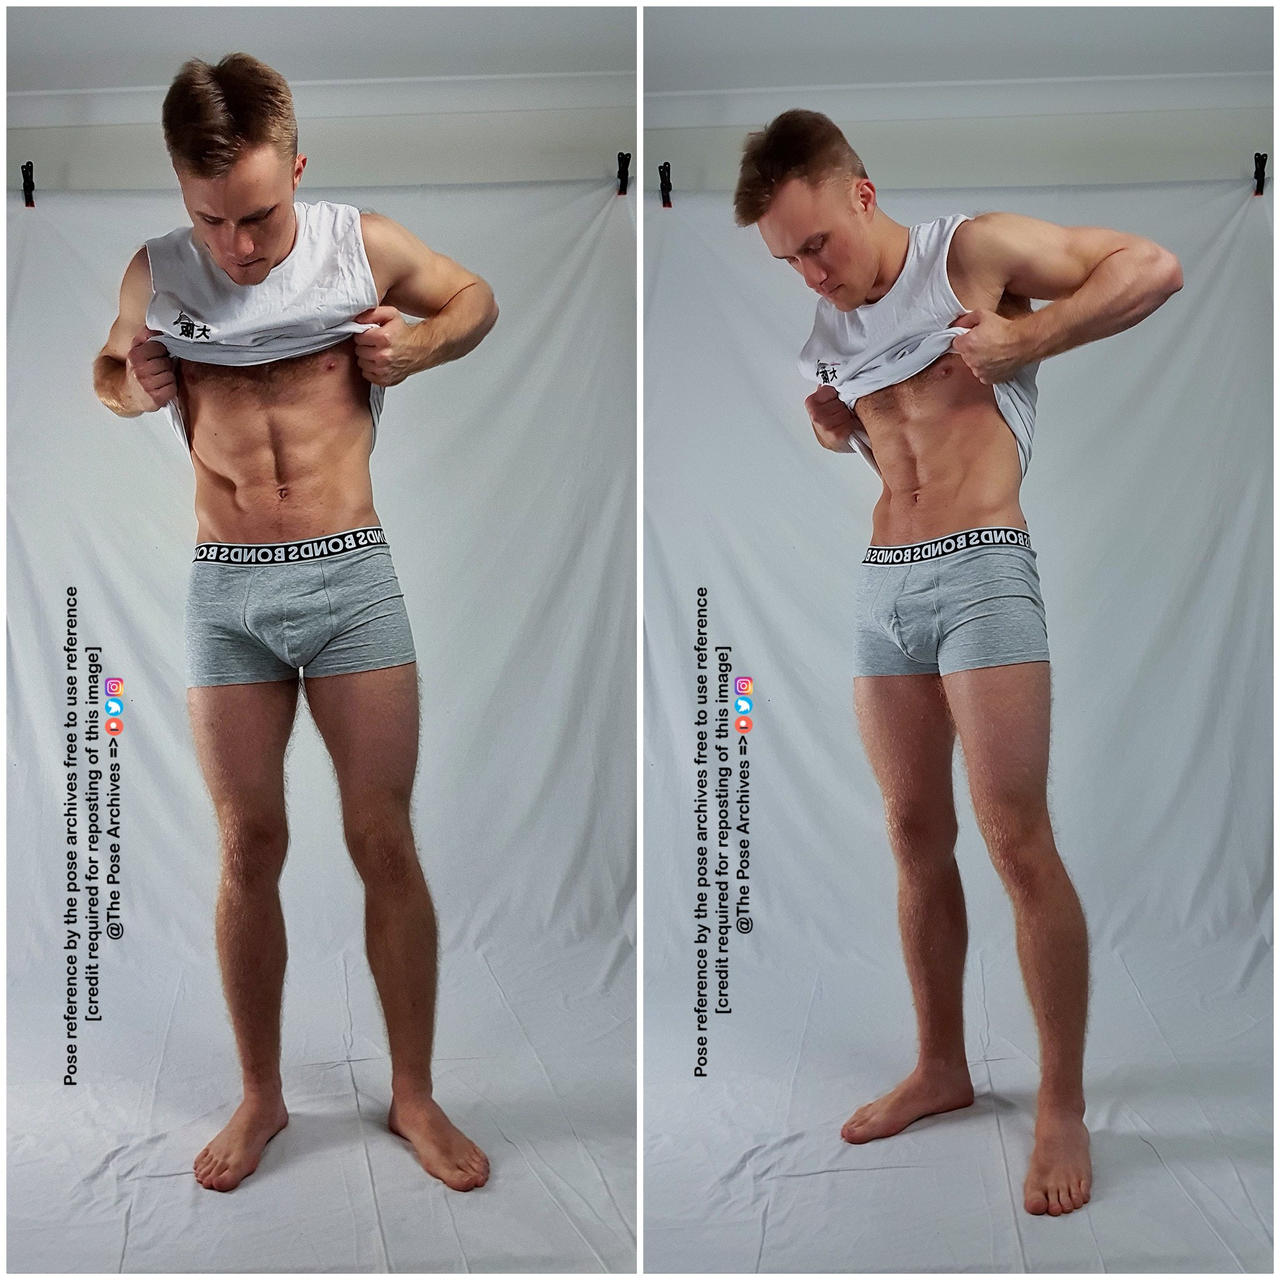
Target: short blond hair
797,144
211,113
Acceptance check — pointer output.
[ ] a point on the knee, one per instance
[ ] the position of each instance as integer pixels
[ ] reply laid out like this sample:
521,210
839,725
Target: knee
921,838
1019,839
383,852
253,849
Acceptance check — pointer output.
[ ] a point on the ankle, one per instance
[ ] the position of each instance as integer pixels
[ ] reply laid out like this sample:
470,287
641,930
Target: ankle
410,1085
1058,1103
263,1090
943,1065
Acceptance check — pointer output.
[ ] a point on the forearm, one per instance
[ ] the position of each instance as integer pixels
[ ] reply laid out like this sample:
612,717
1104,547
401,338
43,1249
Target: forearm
119,392
455,329
1125,287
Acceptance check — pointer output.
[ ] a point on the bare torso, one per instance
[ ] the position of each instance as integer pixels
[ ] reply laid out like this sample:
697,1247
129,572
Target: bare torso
280,450
947,457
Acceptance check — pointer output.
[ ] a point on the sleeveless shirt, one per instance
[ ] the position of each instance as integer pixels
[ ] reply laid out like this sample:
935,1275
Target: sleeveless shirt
885,342
305,304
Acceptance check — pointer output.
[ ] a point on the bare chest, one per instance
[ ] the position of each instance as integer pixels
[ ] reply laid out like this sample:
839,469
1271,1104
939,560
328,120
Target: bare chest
946,386
324,379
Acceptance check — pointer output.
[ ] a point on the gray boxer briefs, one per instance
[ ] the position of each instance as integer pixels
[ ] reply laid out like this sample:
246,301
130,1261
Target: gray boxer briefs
259,611
969,599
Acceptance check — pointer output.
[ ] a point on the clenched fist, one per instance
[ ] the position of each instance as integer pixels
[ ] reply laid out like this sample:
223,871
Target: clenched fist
833,421
151,367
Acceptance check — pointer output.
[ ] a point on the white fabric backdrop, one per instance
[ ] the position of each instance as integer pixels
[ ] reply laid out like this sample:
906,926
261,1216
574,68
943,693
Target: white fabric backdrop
506,484
1149,505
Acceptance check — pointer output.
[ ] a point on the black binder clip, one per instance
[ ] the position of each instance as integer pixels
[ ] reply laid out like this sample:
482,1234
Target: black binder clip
664,184
624,170
29,184
1259,171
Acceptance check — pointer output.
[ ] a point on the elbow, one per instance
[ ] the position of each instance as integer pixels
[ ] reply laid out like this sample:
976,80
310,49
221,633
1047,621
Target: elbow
1170,269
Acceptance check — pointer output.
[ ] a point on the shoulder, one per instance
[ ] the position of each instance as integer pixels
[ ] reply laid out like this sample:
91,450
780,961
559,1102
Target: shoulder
137,275
975,261
972,240
377,229
383,237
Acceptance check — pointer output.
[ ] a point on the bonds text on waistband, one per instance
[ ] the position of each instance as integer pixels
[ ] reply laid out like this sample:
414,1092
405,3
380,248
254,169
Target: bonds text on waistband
332,544
946,545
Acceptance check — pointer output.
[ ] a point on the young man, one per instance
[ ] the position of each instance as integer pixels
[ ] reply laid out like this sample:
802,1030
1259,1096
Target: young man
925,348
268,331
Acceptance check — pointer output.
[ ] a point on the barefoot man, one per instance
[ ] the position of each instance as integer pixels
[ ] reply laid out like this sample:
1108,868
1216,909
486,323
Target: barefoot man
267,332
925,349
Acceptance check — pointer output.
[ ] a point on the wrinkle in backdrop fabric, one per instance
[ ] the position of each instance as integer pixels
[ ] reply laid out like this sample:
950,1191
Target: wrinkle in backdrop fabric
505,483
1149,503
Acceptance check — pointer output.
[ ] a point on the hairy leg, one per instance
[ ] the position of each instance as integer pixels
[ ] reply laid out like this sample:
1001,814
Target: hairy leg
369,722
909,740
240,733
1002,714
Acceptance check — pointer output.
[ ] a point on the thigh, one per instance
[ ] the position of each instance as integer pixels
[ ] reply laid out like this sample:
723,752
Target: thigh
224,645
369,723
1002,716
990,609
369,625
240,732
910,740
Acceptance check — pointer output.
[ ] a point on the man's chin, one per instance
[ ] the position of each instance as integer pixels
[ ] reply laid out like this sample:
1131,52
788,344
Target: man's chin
255,273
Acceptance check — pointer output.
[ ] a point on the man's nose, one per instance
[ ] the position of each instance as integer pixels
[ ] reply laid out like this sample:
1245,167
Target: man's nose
242,243
814,273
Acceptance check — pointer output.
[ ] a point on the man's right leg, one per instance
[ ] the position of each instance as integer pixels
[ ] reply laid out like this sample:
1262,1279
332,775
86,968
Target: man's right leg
240,732
909,737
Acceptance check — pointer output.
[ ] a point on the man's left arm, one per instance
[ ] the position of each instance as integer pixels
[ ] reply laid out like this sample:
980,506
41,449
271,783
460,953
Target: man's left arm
1100,282
456,306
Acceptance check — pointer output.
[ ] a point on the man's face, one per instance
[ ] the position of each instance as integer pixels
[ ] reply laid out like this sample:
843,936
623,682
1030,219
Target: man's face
245,218
824,232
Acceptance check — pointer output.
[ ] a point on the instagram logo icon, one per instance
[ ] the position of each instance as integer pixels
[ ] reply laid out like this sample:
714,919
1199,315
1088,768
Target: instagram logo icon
743,685
113,686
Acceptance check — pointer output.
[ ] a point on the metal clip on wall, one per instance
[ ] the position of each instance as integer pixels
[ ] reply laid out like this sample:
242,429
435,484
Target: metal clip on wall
1259,172
664,184
624,169
29,185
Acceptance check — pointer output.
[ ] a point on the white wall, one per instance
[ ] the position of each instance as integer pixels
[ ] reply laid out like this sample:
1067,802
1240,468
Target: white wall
967,97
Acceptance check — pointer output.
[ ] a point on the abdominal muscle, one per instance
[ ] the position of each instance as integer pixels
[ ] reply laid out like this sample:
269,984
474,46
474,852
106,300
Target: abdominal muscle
947,457
280,450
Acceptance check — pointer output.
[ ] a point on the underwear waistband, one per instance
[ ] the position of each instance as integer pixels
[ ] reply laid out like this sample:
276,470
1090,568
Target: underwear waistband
948,544
329,544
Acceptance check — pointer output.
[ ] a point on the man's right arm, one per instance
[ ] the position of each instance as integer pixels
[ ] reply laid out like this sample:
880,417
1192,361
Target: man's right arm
133,375
833,421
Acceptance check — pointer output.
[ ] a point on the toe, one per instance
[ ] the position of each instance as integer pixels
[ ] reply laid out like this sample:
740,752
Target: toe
1036,1201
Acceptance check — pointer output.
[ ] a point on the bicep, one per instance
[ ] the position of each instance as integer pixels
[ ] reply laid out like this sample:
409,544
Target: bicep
1037,259
135,294
420,282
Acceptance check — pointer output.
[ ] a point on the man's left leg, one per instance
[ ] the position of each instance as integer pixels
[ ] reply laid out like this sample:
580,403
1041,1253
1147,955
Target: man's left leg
369,723
1001,714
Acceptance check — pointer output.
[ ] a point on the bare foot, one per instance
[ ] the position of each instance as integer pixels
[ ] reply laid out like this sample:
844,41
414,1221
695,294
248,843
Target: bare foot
234,1154
443,1151
922,1093
1060,1173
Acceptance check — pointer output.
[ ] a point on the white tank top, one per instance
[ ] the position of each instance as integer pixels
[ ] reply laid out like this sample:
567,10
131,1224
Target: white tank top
885,342
305,304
